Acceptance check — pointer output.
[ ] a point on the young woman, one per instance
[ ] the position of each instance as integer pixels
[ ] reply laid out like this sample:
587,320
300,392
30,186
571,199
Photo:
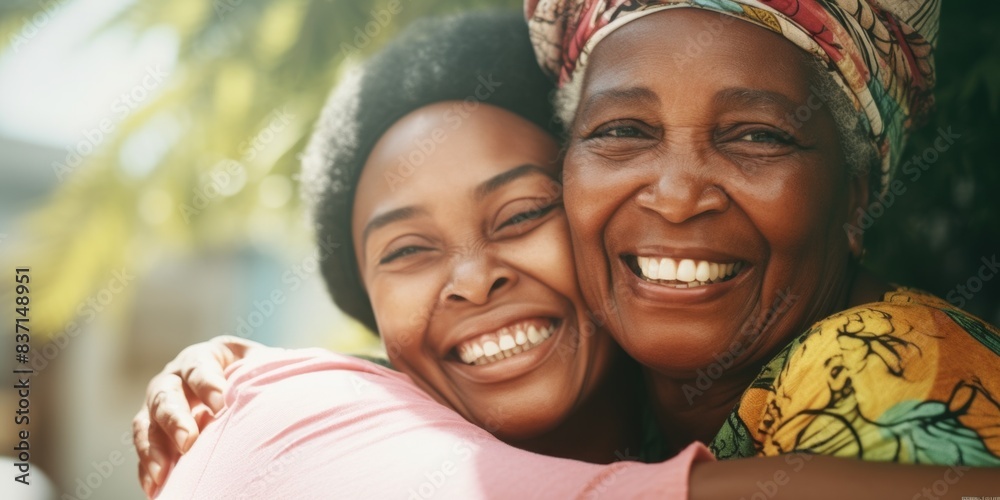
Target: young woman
440,166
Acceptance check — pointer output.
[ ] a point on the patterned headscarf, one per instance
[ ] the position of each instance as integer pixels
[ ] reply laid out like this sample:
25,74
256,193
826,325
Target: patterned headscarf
879,51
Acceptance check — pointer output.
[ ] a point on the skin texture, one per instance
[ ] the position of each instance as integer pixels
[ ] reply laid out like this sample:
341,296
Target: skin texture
700,163
461,261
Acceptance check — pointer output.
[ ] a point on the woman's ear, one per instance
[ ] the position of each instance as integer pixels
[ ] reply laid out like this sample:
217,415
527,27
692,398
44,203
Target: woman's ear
857,203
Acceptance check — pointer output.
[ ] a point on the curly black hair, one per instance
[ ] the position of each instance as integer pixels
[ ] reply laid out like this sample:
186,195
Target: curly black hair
433,60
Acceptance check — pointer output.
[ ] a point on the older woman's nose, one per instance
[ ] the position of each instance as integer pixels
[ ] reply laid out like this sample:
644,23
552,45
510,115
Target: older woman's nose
681,189
476,279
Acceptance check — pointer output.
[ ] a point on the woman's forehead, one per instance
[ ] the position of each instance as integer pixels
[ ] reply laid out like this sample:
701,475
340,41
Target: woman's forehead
742,56
438,150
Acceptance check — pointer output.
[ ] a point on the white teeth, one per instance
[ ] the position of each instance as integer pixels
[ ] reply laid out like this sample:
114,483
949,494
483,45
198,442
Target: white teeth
702,272
490,348
506,342
668,269
509,341
466,355
686,270
533,335
691,272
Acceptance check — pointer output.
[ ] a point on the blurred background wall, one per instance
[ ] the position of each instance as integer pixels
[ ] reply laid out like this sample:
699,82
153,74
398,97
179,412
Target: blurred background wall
148,159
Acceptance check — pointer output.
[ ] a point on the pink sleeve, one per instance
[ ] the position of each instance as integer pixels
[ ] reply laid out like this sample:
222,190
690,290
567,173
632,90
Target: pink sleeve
311,424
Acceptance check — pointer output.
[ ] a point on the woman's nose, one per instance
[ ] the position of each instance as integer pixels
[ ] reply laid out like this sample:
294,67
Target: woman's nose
476,279
683,187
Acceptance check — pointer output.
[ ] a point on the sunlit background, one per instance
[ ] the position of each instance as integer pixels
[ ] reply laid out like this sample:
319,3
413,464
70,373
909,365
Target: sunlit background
148,159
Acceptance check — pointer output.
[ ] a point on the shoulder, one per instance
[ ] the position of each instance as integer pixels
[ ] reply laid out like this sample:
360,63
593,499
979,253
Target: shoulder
909,378
303,423
302,370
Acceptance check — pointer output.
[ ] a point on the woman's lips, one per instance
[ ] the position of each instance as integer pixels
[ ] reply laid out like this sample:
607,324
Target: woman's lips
506,342
502,369
681,272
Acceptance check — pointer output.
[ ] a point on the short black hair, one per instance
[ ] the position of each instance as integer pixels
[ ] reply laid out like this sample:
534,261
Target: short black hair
433,60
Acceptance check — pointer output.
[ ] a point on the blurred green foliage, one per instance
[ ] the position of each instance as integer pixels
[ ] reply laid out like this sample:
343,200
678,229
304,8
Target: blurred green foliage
243,64
251,78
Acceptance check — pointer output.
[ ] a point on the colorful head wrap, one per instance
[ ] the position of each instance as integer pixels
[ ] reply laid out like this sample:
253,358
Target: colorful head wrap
879,51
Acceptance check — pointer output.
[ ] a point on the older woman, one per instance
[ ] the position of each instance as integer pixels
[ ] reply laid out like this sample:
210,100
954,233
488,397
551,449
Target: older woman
720,153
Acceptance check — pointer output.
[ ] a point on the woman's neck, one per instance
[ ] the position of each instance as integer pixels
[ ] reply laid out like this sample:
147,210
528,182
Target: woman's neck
683,419
606,427
685,416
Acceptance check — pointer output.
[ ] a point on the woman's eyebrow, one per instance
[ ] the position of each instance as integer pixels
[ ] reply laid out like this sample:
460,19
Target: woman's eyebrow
754,98
384,219
502,179
629,96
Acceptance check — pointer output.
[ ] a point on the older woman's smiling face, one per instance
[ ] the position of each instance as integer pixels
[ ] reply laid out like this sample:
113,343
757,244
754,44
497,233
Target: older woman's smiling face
707,227
465,257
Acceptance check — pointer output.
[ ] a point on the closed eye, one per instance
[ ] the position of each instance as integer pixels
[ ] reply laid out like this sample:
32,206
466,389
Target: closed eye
402,252
527,216
621,129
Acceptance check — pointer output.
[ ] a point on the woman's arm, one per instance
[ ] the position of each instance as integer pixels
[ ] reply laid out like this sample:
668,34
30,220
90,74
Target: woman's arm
798,475
312,424
789,476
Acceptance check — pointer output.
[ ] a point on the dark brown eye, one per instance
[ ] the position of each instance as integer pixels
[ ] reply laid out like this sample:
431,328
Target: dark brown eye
766,137
622,132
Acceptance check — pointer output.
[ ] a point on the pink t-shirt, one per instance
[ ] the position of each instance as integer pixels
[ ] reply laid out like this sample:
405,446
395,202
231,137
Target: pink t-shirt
309,424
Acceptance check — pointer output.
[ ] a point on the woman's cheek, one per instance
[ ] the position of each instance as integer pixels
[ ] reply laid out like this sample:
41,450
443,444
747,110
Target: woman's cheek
403,309
593,192
547,255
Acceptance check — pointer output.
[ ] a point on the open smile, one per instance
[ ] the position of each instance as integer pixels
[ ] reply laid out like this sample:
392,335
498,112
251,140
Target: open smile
506,342
681,273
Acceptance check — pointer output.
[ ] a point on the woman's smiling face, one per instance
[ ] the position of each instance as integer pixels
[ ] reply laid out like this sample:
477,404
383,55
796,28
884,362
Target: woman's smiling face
464,251
707,226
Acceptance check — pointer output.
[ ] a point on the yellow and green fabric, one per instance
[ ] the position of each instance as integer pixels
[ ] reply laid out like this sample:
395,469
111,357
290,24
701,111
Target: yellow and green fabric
910,379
